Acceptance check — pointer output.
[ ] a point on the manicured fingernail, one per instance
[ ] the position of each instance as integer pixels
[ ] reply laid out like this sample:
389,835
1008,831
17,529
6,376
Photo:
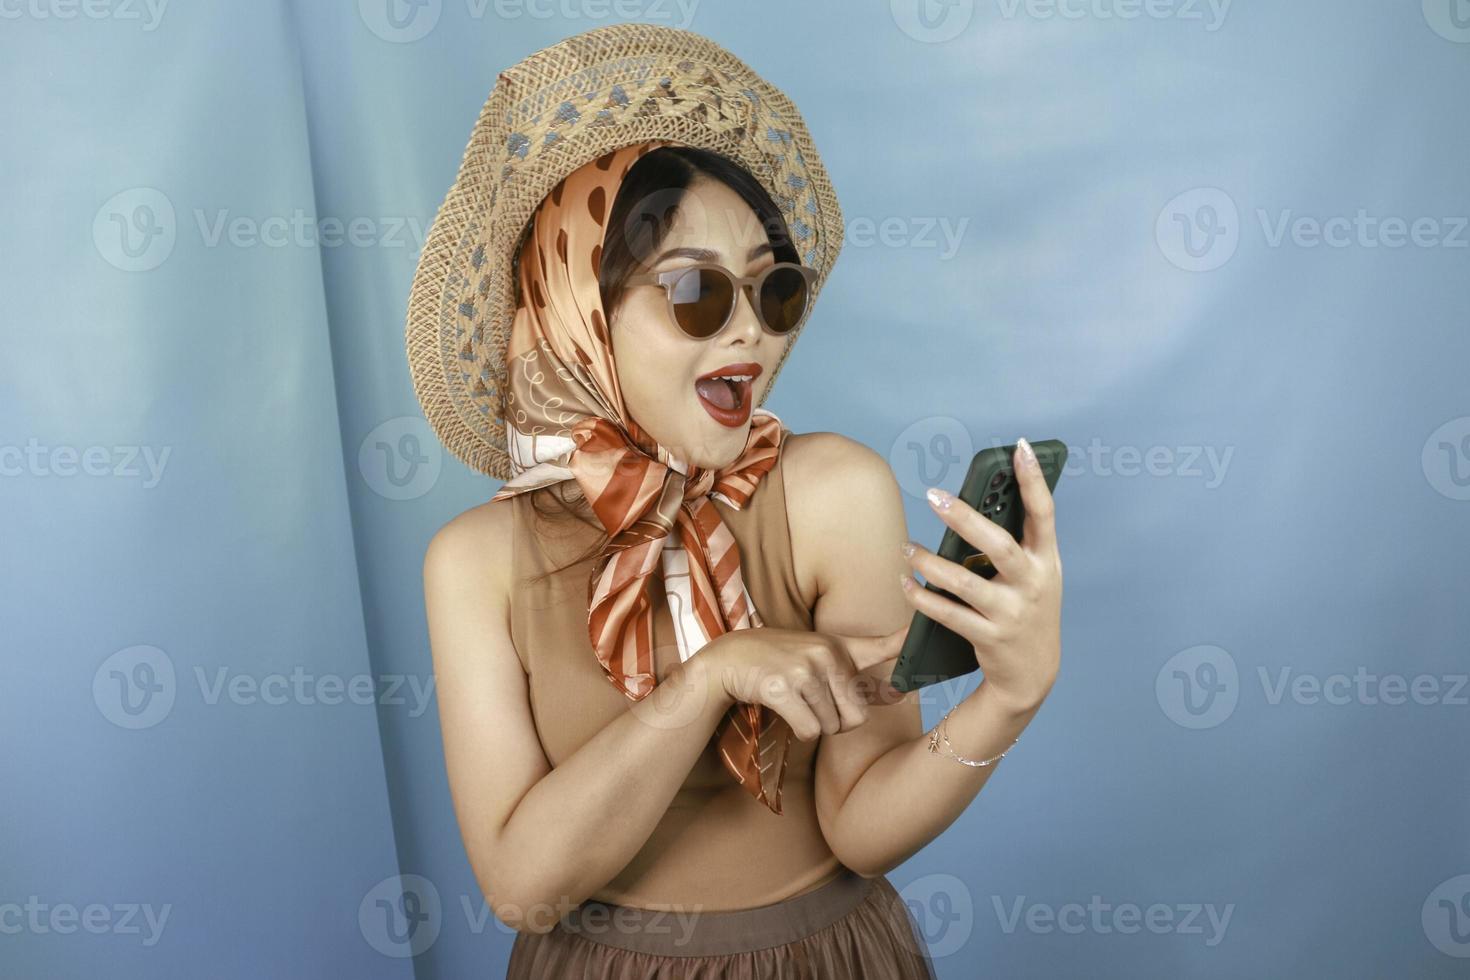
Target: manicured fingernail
906,580
907,548
1028,455
939,498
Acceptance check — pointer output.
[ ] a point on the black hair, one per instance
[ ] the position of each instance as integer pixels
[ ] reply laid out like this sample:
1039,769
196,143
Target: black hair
657,182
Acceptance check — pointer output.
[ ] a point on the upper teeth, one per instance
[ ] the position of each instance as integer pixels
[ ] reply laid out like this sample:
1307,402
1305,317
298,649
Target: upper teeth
732,377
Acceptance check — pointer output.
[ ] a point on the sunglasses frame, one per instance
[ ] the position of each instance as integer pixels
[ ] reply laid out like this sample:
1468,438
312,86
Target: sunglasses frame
750,284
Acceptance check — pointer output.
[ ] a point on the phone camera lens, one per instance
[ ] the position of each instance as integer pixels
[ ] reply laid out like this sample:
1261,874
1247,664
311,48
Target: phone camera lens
998,479
989,500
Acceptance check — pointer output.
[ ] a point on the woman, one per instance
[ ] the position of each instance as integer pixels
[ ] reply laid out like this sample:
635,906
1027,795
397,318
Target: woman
661,648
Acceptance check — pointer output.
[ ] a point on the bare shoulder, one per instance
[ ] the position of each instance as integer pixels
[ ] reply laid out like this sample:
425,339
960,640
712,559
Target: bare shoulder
834,486
472,551
817,464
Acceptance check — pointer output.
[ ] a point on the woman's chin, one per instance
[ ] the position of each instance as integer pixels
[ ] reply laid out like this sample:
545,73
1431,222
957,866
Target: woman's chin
718,446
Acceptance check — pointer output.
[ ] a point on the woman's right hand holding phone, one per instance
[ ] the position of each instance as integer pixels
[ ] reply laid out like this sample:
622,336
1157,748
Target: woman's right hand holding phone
1014,619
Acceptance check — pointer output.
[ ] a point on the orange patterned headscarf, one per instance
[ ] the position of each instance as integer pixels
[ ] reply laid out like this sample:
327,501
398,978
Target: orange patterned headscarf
566,420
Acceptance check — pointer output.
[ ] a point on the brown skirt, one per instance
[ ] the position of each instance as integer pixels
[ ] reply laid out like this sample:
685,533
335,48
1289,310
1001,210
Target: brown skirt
852,927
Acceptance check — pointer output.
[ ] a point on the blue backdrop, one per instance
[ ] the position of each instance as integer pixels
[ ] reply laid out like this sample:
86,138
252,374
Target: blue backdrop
1218,248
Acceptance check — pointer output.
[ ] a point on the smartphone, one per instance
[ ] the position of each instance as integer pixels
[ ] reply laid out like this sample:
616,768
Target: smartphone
933,652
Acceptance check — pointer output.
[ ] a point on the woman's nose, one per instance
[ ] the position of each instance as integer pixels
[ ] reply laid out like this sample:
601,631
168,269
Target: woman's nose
744,321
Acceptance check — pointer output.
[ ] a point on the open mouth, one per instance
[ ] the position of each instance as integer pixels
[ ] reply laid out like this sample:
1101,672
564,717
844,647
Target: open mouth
726,397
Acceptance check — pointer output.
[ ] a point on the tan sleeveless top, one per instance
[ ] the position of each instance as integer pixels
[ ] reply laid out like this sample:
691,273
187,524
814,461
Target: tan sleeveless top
716,846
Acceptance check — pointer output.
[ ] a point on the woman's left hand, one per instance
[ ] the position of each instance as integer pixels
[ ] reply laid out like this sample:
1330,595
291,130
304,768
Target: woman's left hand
1014,620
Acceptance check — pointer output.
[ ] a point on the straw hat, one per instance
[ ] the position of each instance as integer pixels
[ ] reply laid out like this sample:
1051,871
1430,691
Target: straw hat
562,107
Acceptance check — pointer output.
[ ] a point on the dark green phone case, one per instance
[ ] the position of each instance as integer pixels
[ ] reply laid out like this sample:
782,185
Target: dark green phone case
932,652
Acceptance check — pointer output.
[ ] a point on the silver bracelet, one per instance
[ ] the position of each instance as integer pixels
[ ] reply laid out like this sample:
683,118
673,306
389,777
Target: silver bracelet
942,729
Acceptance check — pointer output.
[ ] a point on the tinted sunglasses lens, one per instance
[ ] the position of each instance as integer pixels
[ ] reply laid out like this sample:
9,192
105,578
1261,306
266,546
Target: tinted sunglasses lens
702,301
783,299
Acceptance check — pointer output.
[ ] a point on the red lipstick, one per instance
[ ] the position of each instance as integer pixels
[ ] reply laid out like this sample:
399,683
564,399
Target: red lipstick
728,401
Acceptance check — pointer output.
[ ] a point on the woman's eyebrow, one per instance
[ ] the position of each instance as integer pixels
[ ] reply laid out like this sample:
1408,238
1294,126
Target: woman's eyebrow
708,255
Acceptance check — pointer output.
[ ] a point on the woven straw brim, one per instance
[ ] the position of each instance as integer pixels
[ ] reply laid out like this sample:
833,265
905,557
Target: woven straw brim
562,107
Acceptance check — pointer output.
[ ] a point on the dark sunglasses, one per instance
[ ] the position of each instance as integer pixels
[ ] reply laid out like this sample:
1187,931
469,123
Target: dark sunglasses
702,297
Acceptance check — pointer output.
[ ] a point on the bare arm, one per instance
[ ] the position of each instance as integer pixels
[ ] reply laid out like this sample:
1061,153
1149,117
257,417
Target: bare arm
541,839
884,767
